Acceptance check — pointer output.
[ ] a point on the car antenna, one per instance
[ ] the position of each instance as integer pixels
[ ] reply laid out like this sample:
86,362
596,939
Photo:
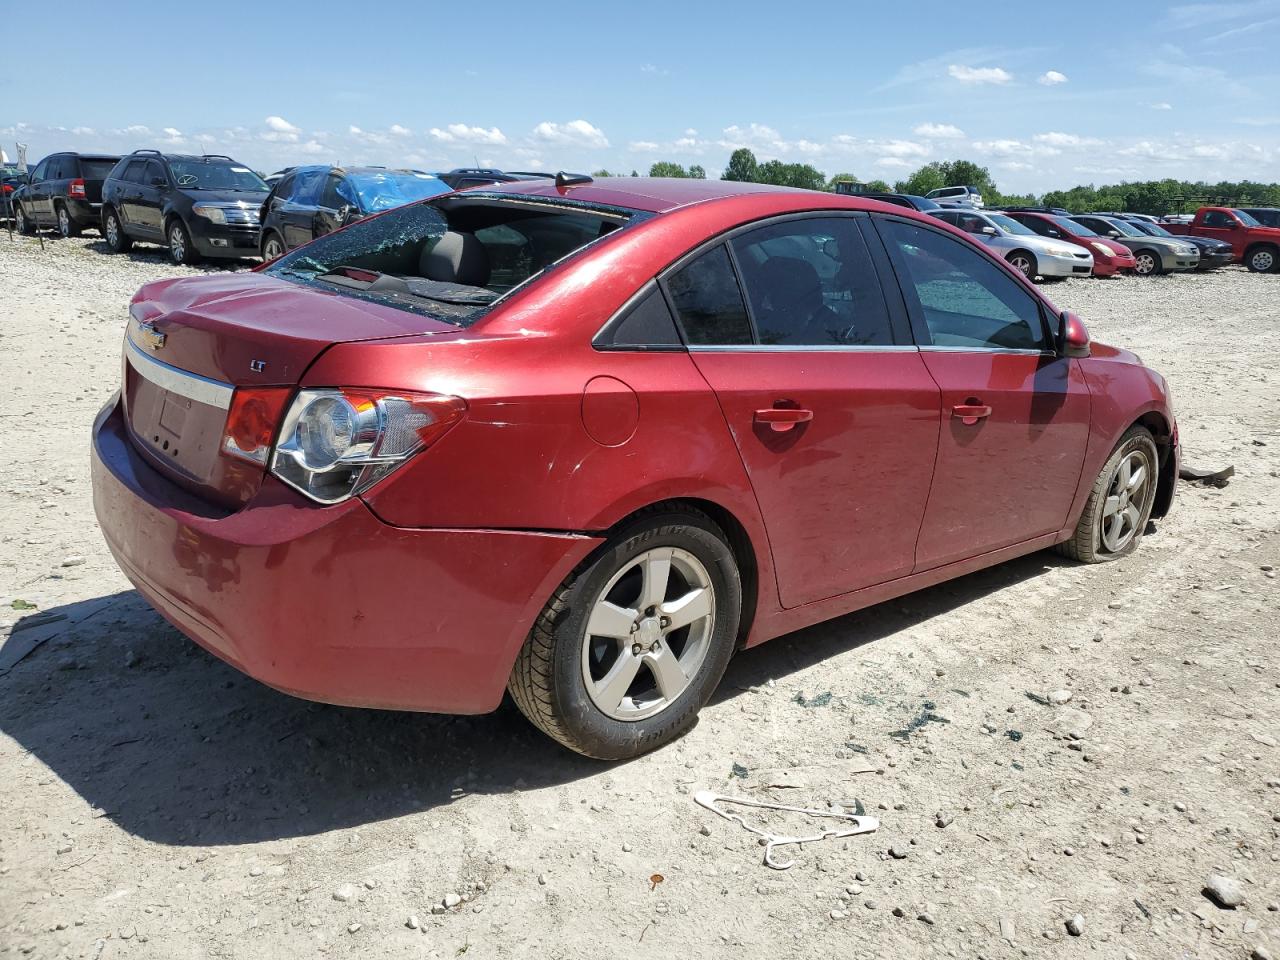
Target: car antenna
571,179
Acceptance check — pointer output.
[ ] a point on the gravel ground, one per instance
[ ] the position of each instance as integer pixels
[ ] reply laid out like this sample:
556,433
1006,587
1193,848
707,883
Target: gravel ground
159,805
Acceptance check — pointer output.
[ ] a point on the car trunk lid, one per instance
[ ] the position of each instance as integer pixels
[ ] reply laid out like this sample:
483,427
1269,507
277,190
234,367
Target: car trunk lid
193,343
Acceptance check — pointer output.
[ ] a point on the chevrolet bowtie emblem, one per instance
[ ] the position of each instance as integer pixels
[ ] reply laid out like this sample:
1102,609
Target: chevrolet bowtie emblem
152,337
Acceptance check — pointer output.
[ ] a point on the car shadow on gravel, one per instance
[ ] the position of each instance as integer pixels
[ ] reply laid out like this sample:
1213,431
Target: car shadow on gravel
178,748
159,255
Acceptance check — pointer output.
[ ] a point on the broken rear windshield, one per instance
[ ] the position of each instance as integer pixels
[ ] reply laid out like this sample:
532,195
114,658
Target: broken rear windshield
453,258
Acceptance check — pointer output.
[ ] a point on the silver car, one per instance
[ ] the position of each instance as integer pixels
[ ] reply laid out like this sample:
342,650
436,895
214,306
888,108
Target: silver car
956,197
1034,255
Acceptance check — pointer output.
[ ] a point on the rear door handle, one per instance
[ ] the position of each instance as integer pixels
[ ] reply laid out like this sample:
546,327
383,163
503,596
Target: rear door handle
781,419
970,413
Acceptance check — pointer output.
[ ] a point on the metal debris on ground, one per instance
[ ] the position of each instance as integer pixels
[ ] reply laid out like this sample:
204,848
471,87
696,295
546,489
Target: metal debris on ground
859,824
817,700
1210,478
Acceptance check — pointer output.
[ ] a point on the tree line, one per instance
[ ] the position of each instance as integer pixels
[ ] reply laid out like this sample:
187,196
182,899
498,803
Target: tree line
1148,196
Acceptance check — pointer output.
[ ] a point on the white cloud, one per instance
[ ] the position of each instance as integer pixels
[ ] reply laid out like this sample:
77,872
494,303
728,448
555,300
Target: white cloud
575,132
84,131
897,163
1162,105
400,131
1056,139
644,146
311,148
462,133
354,130
938,131
653,69
1001,148
1051,78
281,125
690,132
903,148
979,74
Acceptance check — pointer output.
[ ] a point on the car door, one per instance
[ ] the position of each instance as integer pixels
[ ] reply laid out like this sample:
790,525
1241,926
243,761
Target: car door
36,196
297,212
1015,415
329,208
830,405
127,195
151,191
1221,225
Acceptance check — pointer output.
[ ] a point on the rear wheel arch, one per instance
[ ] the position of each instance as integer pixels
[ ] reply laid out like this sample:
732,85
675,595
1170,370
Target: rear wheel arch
744,551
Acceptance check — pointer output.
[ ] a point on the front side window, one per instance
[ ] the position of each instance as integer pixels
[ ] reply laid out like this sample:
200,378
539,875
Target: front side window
810,282
709,302
307,184
41,170
965,300
133,173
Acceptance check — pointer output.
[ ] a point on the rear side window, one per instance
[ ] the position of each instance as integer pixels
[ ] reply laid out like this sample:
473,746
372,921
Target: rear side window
709,302
965,300
55,171
810,283
646,324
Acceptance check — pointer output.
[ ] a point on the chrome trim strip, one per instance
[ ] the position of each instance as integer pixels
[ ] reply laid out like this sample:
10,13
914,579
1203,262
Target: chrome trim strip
215,393
987,350
802,348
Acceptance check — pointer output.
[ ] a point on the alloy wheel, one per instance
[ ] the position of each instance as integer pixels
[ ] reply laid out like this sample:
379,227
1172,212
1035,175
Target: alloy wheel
113,232
272,250
20,220
64,222
1126,498
177,244
1023,265
648,633
1263,261
1146,264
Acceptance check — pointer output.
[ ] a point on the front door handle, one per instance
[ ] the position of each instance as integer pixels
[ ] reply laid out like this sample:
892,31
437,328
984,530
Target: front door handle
781,419
971,412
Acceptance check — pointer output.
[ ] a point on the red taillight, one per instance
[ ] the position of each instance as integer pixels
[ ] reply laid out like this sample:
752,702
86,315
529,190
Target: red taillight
6,188
252,421
76,189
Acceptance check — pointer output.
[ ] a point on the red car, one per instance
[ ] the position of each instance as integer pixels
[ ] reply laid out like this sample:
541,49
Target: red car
582,441
1109,257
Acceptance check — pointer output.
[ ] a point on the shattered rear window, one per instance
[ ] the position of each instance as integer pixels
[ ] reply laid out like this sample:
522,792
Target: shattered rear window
494,244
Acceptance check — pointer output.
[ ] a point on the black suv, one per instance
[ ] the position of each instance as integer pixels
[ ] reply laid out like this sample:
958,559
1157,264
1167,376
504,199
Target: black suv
64,190
1267,216
204,206
310,201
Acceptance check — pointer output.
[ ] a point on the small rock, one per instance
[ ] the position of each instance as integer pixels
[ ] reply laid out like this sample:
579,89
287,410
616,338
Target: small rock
1075,926
353,927
72,561
1180,806
1060,697
451,900
837,914
626,848
705,830
1007,930
926,917
1261,953
65,848
870,904
899,912
1226,892
898,852
255,871
413,923
437,908
345,893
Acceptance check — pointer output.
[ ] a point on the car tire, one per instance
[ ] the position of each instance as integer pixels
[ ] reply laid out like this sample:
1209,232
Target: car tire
21,222
113,231
600,694
1119,506
272,247
1262,259
181,251
1148,263
1024,261
67,228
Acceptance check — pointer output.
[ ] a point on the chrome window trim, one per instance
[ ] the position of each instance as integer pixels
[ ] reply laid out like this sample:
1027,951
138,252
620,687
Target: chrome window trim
1015,351
804,348
214,393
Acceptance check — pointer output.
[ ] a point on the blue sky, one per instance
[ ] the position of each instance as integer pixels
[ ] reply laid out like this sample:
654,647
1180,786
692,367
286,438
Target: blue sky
1046,95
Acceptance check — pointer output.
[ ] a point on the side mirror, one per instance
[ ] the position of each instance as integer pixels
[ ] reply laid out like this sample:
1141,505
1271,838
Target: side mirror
989,231
1073,338
1113,234
1054,233
1232,224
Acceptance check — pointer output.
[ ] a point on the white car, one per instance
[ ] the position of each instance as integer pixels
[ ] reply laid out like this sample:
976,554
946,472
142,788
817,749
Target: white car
1034,255
956,197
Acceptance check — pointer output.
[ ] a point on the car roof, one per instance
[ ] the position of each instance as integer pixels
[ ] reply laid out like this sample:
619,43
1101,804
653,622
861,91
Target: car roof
650,194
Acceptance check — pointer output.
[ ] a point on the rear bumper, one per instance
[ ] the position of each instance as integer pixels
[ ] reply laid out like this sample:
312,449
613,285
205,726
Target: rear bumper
329,603
84,213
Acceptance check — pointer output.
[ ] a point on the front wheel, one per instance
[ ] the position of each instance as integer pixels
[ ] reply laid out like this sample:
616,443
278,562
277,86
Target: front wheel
272,247
1148,263
1024,263
181,250
21,223
1262,260
1119,506
634,642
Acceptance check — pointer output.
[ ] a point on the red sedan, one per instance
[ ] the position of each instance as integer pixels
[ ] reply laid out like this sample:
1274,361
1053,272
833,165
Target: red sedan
1109,257
583,441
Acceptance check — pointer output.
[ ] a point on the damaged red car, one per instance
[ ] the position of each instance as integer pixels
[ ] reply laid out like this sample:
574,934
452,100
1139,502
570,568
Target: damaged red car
584,440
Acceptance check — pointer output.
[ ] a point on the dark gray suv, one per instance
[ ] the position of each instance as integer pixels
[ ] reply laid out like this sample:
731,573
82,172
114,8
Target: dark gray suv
196,206
64,191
